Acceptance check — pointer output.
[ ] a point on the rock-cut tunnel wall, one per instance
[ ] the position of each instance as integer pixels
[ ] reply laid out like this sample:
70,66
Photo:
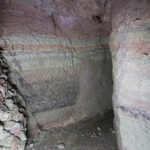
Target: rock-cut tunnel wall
130,47
58,56
59,59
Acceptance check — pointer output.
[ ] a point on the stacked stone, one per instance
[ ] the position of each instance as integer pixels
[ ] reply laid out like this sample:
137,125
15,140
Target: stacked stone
12,120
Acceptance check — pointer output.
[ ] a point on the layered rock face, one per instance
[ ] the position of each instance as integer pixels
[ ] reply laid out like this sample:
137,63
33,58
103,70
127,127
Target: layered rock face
130,46
59,58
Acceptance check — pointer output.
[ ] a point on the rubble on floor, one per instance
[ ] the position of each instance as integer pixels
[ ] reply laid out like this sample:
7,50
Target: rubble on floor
12,119
92,134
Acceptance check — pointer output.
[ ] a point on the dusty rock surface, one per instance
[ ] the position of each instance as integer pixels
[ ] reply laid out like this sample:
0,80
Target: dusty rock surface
93,134
129,44
58,54
76,35
26,24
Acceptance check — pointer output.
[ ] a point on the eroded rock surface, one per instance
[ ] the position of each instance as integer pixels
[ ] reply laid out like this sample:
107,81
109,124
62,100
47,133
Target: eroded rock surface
130,42
52,24
58,54
59,59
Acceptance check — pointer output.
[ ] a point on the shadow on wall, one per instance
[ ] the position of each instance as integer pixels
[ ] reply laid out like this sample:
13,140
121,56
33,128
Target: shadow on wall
1,49
62,85
62,93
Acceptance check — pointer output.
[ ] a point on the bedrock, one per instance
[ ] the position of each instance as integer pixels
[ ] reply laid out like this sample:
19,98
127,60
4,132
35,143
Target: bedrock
58,55
62,86
129,44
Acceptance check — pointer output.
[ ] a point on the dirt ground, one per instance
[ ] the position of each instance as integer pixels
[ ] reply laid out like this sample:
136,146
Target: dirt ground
93,134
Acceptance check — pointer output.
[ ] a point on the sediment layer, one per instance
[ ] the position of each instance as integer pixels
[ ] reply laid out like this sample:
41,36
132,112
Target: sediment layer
129,44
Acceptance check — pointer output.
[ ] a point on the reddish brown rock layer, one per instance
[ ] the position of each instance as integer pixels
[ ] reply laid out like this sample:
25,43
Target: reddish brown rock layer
72,19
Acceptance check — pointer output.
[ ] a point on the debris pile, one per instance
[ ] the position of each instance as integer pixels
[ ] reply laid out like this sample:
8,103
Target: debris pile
12,116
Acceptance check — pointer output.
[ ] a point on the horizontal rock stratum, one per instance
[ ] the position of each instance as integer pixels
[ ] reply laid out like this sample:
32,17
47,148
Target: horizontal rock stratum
29,24
130,47
59,56
58,53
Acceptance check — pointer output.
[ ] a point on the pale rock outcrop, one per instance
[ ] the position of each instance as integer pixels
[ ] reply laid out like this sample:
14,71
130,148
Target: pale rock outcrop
129,44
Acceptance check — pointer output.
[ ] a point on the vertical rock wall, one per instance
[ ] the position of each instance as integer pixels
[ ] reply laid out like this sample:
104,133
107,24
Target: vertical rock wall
59,58
64,88
130,47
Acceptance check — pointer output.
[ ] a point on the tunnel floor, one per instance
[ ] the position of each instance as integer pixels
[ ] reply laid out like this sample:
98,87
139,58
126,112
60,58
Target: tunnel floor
93,134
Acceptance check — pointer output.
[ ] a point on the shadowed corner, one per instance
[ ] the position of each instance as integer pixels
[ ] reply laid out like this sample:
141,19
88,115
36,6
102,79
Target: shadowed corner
1,49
